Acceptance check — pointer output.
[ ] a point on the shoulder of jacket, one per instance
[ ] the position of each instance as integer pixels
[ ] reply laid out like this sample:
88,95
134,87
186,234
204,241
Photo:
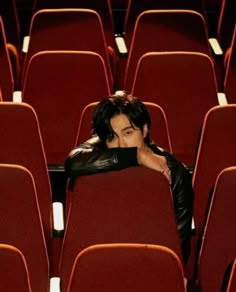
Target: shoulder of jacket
87,146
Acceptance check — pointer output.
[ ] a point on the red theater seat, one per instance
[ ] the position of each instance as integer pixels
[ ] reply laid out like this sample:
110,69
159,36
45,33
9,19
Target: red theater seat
113,207
127,268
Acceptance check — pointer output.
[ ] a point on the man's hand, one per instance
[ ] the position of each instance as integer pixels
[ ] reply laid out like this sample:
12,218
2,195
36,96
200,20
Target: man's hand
156,162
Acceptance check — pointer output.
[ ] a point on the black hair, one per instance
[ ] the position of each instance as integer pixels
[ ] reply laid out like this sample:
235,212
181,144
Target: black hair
116,104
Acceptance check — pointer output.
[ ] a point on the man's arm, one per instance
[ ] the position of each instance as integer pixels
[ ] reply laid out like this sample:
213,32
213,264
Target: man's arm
146,157
92,157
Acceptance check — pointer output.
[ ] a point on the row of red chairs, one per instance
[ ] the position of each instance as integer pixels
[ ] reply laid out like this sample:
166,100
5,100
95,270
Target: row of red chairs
211,263
163,106
59,86
21,143
182,83
74,22
69,75
101,213
152,33
9,10
119,71
65,71
211,157
103,267
171,79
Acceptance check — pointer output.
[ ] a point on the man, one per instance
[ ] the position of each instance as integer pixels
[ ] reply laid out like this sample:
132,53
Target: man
121,125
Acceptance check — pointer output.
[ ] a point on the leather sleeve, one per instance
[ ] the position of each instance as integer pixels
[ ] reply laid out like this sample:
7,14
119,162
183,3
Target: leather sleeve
91,157
182,192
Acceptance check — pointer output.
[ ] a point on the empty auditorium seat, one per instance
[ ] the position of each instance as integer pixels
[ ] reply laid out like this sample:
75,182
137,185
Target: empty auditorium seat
218,242
127,268
102,7
216,152
165,30
184,85
21,143
58,85
218,136
67,29
21,223
13,270
135,8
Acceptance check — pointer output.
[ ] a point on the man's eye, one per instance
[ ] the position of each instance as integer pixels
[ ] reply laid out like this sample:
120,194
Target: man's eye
127,133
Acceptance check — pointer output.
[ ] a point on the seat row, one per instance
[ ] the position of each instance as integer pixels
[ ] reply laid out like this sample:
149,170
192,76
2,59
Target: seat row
100,214
54,29
215,141
10,10
103,267
58,86
21,143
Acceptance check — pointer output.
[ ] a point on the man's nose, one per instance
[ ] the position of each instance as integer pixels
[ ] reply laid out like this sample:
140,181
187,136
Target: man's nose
122,143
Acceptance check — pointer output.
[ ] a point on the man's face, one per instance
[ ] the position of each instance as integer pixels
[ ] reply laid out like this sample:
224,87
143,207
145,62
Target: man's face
125,134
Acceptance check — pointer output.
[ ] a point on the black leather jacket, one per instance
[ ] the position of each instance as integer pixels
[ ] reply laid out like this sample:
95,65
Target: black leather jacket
93,157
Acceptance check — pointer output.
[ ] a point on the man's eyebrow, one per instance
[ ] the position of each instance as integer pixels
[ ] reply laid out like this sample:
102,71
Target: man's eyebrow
127,128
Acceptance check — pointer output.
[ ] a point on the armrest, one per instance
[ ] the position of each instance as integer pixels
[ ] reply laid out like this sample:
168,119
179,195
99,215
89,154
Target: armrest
222,98
57,174
193,225
17,96
25,45
54,284
58,217
215,46
121,45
